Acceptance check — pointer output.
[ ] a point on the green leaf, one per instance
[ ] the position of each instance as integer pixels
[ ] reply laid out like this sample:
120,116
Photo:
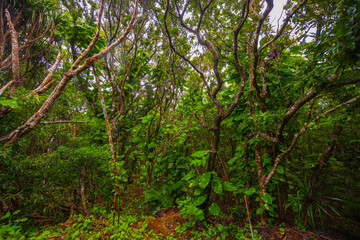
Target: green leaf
250,191
259,211
16,212
146,119
214,209
8,214
189,176
199,200
198,191
228,186
22,220
267,198
204,180
176,187
152,196
217,186
166,202
199,153
9,103
280,169
231,161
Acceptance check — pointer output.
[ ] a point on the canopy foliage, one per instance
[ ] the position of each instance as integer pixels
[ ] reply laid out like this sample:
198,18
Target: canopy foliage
197,102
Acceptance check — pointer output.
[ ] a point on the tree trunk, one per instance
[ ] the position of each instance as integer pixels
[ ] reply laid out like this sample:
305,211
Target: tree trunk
109,133
262,184
82,190
75,69
326,154
211,167
263,216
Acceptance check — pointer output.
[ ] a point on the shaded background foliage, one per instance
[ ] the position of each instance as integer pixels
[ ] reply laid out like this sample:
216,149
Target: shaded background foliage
151,92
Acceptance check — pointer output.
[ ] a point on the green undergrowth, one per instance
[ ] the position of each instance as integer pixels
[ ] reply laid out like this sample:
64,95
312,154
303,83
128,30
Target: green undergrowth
100,224
133,222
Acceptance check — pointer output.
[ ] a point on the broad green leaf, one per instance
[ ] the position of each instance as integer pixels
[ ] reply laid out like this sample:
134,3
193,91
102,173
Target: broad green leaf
259,211
214,209
146,119
250,191
231,161
166,202
8,214
199,153
280,169
189,176
228,186
204,180
196,162
177,186
152,196
217,186
198,191
199,200
16,212
9,103
266,198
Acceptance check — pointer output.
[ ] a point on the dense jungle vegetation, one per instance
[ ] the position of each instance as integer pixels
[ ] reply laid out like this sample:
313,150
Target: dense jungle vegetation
179,119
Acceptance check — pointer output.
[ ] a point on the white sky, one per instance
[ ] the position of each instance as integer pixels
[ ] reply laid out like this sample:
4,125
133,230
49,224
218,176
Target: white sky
276,12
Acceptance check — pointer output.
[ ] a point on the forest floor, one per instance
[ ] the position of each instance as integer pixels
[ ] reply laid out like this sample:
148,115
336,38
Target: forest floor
135,223
165,222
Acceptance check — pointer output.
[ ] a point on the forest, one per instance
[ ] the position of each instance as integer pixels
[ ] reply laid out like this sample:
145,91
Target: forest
179,119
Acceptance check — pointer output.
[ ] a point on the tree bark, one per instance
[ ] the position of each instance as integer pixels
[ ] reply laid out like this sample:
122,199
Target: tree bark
324,158
75,69
109,133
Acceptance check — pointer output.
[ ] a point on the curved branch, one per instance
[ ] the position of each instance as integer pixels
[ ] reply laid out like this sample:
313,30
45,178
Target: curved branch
34,120
202,123
269,7
309,96
302,130
285,23
245,13
62,121
45,83
14,54
202,75
290,113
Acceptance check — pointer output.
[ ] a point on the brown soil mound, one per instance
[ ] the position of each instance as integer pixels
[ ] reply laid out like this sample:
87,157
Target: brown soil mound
165,221
274,233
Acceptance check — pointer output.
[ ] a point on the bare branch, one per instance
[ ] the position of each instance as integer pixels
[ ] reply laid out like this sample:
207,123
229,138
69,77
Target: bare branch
269,7
121,92
302,130
62,121
310,95
354,81
45,83
34,120
202,122
92,44
202,14
28,42
202,75
14,54
122,37
285,23
3,89
245,13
